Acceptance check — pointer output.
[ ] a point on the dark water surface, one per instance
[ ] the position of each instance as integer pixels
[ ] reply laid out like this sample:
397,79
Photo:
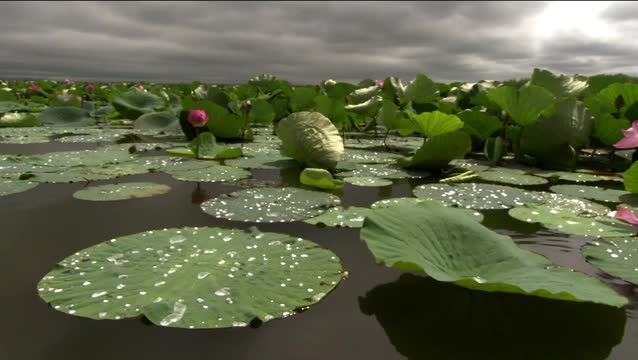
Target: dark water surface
377,313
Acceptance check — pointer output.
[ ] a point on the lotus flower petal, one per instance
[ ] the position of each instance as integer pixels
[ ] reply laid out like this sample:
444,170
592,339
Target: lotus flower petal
627,215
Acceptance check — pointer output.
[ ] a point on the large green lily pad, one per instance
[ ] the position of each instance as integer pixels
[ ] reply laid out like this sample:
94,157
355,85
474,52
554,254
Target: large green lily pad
573,216
263,162
8,187
410,201
590,192
476,196
572,176
367,181
80,158
339,217
362,156
205,171
193,277
386,171
452,247
511,177
618,257
270,205
122,191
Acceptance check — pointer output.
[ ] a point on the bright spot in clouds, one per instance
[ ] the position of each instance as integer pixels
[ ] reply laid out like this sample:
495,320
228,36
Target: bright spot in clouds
583,18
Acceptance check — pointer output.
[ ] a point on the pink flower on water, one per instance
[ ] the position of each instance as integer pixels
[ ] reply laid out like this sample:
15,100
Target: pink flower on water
198,118
379,83
631,137
68,81
35,87
141,87
89,87
626,214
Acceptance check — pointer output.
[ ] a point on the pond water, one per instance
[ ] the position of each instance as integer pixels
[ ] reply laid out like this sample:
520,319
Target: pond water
376,313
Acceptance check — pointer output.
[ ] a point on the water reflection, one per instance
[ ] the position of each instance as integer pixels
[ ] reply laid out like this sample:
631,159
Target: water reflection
199,195
426,319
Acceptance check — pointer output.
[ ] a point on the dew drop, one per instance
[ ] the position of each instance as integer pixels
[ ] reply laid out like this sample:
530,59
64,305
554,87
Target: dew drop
223,292
178,312
98,294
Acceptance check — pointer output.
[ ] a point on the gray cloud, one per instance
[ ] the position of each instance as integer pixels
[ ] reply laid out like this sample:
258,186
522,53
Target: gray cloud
304,42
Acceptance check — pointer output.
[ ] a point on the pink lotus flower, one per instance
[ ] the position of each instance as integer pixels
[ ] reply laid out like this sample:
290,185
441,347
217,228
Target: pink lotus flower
631,137
89,87
197,118
35,87
68,81
379,83
141,87
627,215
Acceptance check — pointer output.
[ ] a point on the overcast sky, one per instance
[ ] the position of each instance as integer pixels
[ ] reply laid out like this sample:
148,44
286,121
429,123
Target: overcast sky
306,42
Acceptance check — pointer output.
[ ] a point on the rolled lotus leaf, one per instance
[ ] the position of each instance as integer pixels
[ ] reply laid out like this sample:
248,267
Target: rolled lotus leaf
311,139
319,178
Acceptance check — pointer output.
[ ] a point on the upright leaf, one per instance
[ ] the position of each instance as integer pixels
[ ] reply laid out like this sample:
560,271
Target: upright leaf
525,105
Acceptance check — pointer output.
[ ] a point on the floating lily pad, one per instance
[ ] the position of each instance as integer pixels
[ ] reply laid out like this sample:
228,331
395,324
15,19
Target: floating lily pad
263,162
211,173
25,139
471,164
339,217
618,257
90,138
111,192
193,277
454,248
270,205
510,177
573,216
476,196
367,181
8,187
68,175
590,192
261,149
574,176
387,171
369,157
409,201
124,169
80,158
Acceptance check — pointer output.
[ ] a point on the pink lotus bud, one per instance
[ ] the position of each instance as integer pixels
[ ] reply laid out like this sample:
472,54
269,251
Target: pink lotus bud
198,118
379,83
630,140
35,87
89,87
141,87
68,81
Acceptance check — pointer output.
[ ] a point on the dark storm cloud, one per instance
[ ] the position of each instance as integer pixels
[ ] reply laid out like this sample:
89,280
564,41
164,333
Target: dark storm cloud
303,42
